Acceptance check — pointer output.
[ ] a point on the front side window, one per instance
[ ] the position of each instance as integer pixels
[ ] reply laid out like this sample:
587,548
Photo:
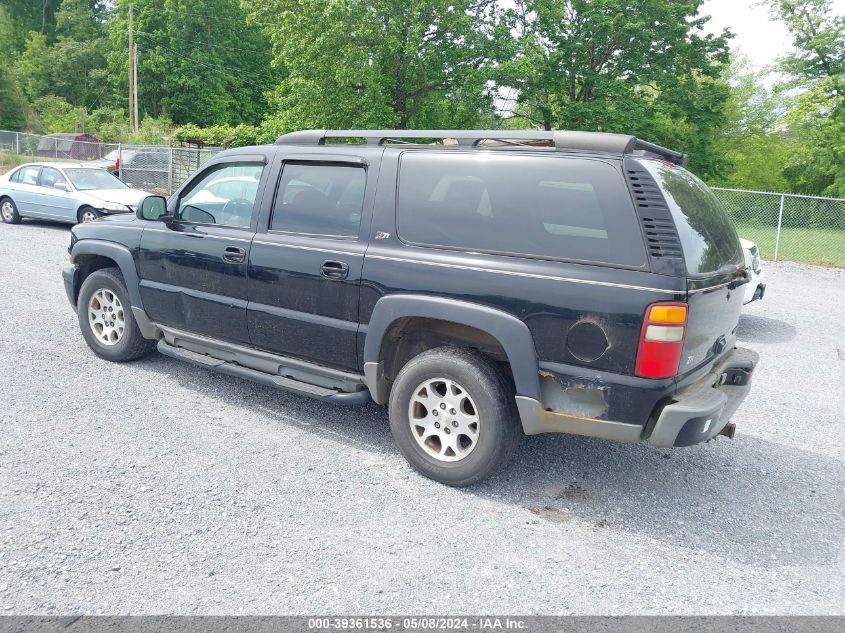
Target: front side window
85,179
540,206
320,199
50,176
224,194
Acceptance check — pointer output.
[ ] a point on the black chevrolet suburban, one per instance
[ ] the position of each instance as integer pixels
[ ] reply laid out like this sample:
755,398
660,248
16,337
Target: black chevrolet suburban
482,284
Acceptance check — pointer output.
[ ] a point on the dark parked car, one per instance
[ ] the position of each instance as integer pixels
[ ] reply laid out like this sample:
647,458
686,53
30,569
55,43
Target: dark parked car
484,286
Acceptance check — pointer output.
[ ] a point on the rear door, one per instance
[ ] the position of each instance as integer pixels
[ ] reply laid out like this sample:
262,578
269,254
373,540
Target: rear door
305,263
714,262
24,186
193,268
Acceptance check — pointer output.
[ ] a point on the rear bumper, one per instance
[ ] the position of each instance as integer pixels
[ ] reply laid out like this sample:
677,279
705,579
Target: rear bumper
629,409
700,411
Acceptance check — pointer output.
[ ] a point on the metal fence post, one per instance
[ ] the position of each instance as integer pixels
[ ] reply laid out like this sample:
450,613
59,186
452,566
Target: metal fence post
780,223
170,174
18,143
119,161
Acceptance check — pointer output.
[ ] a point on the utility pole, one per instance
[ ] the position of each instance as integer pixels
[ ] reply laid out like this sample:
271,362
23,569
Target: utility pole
135,89
133,123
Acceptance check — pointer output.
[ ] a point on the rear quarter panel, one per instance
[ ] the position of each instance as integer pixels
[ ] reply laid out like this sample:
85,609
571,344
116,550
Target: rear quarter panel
549,296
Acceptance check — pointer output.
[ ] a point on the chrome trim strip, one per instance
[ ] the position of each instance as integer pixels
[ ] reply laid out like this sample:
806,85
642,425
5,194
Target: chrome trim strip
697,290
309,248
531,275
210,235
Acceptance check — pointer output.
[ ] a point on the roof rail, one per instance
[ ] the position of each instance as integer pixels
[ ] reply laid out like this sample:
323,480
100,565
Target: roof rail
563,140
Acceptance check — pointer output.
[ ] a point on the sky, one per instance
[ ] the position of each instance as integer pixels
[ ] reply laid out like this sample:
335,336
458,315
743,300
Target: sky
757,37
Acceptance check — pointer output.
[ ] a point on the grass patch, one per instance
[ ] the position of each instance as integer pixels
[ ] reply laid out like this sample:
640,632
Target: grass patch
811,246
9,160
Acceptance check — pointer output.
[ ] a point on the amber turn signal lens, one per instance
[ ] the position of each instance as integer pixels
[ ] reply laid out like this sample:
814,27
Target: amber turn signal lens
668,314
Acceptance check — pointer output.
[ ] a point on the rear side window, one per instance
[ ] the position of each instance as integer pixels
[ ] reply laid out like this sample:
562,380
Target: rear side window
707,235
27,175
320,199
542,206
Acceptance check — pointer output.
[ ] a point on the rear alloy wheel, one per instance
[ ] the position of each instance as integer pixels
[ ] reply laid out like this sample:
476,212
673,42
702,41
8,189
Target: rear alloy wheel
453,415
443,419
9,212
87,214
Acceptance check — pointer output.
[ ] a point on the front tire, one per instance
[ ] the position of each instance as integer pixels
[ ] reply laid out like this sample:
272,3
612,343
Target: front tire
87,214
106,319
453,416
9,211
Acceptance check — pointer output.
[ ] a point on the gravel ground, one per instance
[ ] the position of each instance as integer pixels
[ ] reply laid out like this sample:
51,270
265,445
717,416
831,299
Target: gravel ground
156,487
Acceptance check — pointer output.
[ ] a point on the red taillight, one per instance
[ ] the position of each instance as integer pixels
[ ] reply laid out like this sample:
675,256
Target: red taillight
661,339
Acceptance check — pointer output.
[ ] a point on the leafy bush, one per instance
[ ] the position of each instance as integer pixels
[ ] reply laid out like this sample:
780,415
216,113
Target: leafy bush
217,135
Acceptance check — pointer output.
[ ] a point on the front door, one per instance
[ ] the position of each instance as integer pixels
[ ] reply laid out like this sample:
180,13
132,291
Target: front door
305,270
52,199
193,266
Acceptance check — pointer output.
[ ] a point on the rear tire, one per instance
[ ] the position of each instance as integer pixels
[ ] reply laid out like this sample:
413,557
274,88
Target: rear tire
87,214
9,211
106,319
453,416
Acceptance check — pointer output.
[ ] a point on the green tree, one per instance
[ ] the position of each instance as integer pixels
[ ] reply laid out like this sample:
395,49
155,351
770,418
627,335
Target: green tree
31,15
73,67
380,63
645,67
199,61
754,138
12,102
817,71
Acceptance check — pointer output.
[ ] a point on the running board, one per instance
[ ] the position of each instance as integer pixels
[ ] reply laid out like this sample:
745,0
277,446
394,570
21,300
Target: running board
271,380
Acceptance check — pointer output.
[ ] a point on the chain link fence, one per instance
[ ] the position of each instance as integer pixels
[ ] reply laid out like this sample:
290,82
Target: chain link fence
785,226
158,169
808,229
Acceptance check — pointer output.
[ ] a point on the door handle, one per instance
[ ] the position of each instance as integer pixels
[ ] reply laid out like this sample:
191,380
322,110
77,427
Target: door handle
334,270
234,254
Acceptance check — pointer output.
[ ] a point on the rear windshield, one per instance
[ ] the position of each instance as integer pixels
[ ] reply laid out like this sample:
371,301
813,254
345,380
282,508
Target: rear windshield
550,207
707,235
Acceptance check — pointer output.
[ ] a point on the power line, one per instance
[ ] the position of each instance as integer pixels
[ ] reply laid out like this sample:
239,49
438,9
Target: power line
220,46
242,21
216,67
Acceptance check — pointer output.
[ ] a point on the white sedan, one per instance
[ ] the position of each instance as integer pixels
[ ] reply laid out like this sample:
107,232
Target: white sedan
64,192
756,288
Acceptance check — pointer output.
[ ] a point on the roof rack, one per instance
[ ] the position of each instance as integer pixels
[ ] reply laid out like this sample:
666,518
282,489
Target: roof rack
562,140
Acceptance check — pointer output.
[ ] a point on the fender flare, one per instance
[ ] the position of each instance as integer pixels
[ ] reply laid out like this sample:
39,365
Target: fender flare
121,256
511,333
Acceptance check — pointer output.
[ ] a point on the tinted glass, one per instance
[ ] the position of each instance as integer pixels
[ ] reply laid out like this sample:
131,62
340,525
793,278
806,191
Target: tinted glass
225,194
50,176
92,179
709,239
320,199
550,207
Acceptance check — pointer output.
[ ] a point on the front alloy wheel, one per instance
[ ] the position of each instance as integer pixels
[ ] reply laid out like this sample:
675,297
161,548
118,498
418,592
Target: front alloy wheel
89,215
106,317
